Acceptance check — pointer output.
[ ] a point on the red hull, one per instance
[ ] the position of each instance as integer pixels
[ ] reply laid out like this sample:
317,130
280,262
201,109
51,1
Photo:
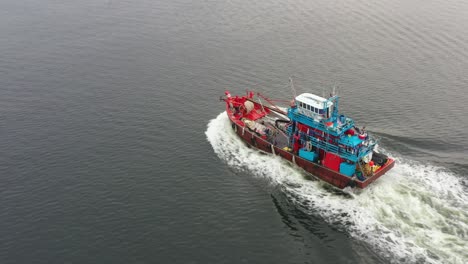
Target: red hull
333,177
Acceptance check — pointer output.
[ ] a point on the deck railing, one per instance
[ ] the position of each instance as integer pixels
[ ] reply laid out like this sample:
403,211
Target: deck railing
335,131
340,151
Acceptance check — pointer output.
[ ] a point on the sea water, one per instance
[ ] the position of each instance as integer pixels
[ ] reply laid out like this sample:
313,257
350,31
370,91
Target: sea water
416,212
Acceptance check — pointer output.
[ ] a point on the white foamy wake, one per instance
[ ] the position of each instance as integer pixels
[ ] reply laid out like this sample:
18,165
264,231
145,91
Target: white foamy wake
415,213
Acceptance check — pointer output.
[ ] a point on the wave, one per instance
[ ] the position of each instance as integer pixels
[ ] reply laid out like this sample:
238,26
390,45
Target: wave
415,213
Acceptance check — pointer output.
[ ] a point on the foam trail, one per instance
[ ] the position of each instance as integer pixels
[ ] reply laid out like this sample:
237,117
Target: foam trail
415,213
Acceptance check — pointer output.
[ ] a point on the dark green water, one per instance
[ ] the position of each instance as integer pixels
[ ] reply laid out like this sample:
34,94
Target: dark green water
113,147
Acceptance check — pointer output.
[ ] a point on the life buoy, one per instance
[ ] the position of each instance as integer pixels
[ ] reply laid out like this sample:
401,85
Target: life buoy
362,136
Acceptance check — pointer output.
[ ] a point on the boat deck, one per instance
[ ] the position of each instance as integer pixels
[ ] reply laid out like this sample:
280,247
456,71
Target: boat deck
277,136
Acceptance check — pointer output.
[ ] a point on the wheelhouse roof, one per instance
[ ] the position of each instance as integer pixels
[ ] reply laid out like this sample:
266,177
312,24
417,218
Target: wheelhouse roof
314,100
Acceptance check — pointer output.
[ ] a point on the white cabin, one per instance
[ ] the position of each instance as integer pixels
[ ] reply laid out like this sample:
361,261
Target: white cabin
314,106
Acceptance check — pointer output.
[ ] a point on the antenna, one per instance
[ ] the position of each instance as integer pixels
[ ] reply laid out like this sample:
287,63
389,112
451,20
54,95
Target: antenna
334,92
292,87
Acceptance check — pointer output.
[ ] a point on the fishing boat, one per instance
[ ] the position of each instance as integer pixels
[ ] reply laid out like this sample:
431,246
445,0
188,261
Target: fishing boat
310,133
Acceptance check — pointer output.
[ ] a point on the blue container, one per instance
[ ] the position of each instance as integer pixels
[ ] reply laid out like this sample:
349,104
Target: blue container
347,169
308,155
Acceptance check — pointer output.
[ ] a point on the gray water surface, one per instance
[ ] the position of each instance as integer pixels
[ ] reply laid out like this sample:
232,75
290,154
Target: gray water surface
112,147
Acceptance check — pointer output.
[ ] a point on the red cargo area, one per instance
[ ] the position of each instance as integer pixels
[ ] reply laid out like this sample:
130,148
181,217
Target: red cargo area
332,161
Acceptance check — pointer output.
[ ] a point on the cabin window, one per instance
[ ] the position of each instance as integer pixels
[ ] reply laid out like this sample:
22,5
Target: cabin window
308,107
321,111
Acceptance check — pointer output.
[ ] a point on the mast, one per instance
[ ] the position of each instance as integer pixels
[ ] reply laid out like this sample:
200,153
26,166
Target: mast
294,122
292,87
